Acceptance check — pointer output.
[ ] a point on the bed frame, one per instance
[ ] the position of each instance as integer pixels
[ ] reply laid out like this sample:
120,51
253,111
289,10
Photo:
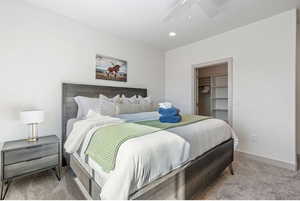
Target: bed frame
182,183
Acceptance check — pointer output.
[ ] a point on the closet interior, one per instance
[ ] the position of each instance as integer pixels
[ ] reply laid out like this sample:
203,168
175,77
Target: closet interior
212,91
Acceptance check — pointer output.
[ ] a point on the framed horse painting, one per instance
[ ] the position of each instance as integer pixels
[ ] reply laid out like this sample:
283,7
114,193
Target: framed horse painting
109,68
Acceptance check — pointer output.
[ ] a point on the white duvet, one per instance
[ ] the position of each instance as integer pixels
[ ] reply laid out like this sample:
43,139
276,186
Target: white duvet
82,127
139,161
205,135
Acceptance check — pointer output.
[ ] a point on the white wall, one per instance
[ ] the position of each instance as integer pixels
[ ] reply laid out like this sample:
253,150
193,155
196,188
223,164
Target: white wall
264,82
39,50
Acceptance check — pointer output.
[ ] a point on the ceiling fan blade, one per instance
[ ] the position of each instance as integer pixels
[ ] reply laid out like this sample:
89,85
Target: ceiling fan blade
181,7
220,3
212,8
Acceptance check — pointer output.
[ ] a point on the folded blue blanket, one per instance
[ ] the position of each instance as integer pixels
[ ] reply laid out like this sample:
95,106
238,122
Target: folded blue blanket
170,119
168,112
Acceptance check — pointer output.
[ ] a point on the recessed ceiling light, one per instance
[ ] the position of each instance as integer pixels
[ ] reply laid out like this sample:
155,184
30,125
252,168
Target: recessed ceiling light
189,17
183,2
172,34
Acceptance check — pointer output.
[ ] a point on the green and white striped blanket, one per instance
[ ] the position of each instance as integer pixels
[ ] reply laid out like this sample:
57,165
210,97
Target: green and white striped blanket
106,141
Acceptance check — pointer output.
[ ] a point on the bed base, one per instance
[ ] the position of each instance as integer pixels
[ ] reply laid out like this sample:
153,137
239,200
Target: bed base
183,183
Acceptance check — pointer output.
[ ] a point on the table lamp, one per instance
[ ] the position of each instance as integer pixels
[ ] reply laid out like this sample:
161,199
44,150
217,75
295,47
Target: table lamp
32,118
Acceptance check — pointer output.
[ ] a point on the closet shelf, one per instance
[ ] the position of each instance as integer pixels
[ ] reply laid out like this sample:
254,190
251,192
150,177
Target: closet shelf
222,87
225,76
220,98
221,110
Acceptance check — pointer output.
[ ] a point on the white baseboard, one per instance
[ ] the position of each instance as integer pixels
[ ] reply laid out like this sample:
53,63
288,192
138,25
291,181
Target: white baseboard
268,161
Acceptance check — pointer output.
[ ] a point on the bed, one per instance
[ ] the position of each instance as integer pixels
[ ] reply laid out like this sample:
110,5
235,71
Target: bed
203,166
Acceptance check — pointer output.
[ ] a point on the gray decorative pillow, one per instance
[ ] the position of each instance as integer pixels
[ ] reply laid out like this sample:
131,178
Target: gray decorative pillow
108,105
129,108
132,100
145,100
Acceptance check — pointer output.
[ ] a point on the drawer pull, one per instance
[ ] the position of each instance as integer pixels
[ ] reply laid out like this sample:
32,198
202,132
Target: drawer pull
34,159
34,147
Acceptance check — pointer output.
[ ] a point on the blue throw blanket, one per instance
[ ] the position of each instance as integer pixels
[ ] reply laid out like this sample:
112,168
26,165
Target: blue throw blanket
168,112
170,115
170,119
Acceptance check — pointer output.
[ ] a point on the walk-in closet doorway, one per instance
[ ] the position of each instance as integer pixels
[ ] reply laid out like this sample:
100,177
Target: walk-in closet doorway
212,89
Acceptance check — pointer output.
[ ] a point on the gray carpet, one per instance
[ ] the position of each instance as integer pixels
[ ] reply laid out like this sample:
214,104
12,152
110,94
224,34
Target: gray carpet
252,180
45,186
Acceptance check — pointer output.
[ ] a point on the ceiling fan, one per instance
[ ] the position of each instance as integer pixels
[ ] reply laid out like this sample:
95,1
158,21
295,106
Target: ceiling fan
211,8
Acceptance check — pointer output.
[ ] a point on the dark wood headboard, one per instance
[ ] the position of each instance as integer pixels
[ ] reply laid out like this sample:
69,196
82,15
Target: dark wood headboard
69,91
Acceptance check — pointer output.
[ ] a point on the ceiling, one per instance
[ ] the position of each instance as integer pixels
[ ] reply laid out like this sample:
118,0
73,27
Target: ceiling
142,20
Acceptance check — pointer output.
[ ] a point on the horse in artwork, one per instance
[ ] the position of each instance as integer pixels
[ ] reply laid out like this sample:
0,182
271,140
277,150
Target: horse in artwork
113,70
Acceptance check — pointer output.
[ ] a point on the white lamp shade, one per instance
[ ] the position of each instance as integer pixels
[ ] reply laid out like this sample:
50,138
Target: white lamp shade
32,117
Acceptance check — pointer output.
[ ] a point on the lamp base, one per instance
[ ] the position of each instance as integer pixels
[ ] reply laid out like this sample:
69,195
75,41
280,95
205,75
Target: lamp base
32,139
34,133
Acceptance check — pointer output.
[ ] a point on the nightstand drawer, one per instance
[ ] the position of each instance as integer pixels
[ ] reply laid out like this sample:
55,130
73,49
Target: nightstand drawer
16,156
19,169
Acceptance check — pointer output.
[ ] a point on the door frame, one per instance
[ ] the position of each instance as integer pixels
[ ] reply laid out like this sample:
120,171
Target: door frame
229,62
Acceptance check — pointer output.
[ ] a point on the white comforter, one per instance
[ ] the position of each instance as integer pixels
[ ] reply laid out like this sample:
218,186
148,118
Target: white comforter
82,127
139,161
205,135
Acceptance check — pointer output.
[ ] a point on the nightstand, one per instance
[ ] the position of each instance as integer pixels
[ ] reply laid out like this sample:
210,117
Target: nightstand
21,158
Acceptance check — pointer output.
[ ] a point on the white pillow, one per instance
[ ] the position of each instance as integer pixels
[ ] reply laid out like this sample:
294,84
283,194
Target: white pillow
132,100
93,115
146,100
85,104
108,105
131,108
